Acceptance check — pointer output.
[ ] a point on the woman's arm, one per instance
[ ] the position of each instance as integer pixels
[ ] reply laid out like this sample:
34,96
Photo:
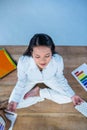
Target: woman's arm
64,84
21,83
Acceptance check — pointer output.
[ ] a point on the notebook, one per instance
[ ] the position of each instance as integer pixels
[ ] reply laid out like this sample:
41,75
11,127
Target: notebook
7,64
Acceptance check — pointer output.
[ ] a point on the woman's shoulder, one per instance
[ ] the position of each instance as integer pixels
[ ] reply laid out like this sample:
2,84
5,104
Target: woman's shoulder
57,57
24,60
58,60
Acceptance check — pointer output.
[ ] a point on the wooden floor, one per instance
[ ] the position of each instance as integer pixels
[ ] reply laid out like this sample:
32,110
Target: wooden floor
48,115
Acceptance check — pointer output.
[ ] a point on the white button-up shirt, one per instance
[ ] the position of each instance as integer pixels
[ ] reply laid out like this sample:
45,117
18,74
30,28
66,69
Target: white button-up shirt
29,75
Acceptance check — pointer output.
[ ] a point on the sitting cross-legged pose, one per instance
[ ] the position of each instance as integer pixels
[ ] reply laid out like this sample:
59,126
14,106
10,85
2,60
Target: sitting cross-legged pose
40,64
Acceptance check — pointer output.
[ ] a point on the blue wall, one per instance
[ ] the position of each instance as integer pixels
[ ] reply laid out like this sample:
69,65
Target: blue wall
64,20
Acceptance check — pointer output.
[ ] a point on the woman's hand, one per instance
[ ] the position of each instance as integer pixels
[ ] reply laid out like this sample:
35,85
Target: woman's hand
12,106
77,100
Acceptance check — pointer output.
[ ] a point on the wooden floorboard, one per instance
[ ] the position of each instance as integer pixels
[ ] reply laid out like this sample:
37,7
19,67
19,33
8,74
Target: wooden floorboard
60,122
48,115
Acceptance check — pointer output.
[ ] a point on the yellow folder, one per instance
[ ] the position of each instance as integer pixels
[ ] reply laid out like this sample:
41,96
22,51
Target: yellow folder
7,64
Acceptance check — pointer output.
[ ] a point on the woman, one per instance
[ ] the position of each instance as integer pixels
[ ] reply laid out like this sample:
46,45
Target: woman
41,64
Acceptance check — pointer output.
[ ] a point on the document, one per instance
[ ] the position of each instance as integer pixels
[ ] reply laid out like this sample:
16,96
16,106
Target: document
80,74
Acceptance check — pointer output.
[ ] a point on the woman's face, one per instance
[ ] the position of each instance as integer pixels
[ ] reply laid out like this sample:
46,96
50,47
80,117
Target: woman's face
42,56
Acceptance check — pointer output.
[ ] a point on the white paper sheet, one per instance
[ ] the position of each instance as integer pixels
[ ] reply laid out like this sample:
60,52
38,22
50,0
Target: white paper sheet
80,74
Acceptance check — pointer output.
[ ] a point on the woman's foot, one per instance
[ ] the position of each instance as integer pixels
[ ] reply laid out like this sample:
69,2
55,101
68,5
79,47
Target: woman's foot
32,93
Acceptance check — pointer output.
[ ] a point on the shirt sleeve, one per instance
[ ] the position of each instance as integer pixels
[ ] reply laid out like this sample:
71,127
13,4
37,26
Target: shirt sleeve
21,83
62,81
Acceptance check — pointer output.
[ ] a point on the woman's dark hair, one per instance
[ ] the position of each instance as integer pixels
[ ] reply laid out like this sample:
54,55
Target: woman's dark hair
40,40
